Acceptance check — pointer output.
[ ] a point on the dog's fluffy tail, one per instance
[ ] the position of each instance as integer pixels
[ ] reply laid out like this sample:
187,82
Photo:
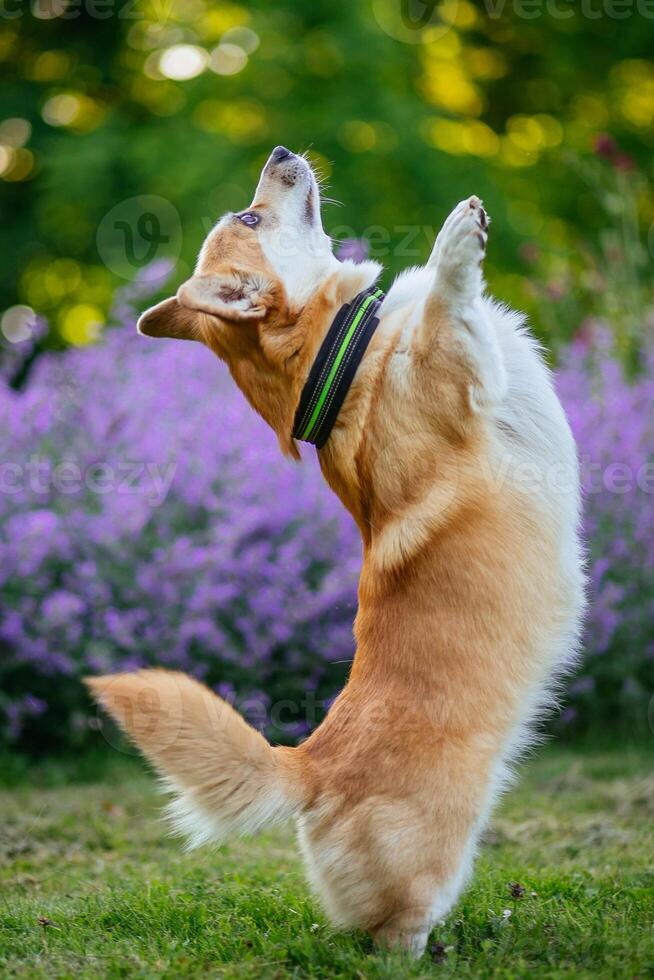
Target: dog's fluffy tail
225,776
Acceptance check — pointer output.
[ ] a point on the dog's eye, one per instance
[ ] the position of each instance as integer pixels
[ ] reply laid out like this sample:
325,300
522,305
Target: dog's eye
249,218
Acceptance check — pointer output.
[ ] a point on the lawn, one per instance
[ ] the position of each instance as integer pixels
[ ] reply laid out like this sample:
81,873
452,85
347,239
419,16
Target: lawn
92,886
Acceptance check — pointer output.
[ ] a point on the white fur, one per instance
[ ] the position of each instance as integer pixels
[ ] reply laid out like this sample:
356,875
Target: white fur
190,819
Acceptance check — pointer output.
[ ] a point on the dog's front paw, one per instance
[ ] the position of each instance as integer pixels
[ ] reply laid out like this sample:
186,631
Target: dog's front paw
471,214
459,253
465,233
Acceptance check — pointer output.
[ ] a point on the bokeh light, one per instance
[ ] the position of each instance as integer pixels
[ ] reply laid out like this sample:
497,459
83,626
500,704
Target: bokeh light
19,166
15,132
17,323
183,61
228,59
81,324
61,110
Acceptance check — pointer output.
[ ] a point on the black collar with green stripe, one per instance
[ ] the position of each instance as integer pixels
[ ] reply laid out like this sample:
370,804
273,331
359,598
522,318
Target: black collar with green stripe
335,365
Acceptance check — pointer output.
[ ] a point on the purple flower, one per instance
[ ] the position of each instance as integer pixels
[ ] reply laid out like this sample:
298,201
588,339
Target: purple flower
60,607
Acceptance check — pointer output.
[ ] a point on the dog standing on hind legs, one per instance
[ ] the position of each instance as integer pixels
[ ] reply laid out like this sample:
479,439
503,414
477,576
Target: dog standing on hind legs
452,453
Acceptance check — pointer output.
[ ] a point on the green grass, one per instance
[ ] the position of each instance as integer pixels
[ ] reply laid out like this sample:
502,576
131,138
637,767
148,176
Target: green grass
91,886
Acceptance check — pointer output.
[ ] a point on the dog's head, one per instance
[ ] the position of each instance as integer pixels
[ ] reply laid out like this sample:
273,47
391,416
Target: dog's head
265,285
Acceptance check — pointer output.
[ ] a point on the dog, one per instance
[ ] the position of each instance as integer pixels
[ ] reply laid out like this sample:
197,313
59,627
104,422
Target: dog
452,453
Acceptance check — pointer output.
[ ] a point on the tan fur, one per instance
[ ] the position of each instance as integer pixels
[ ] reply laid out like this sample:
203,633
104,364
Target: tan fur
460,593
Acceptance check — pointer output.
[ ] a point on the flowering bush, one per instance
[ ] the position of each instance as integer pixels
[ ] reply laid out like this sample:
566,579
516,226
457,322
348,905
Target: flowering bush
612,418
147,517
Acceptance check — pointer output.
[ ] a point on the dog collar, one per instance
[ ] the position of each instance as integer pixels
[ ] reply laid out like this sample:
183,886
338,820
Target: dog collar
335,365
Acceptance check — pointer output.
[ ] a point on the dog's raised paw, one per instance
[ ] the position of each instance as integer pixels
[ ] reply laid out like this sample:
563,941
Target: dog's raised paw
461,250
470,221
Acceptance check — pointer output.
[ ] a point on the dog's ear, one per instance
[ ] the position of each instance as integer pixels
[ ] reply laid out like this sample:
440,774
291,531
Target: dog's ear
169,319
236,295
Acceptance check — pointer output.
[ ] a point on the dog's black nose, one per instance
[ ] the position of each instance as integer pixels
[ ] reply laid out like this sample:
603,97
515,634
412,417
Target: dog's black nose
280,153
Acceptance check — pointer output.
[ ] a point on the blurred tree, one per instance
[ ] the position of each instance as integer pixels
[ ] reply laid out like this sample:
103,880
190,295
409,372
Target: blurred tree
128,126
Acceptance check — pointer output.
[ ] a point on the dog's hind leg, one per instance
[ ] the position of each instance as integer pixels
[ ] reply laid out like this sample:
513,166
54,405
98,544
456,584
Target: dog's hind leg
407,930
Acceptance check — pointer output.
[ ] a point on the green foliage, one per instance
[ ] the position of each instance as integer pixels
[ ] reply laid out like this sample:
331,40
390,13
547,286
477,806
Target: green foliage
93,887
504,99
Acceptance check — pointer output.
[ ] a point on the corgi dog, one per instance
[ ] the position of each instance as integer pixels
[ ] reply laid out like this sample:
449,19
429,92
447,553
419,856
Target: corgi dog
451,451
